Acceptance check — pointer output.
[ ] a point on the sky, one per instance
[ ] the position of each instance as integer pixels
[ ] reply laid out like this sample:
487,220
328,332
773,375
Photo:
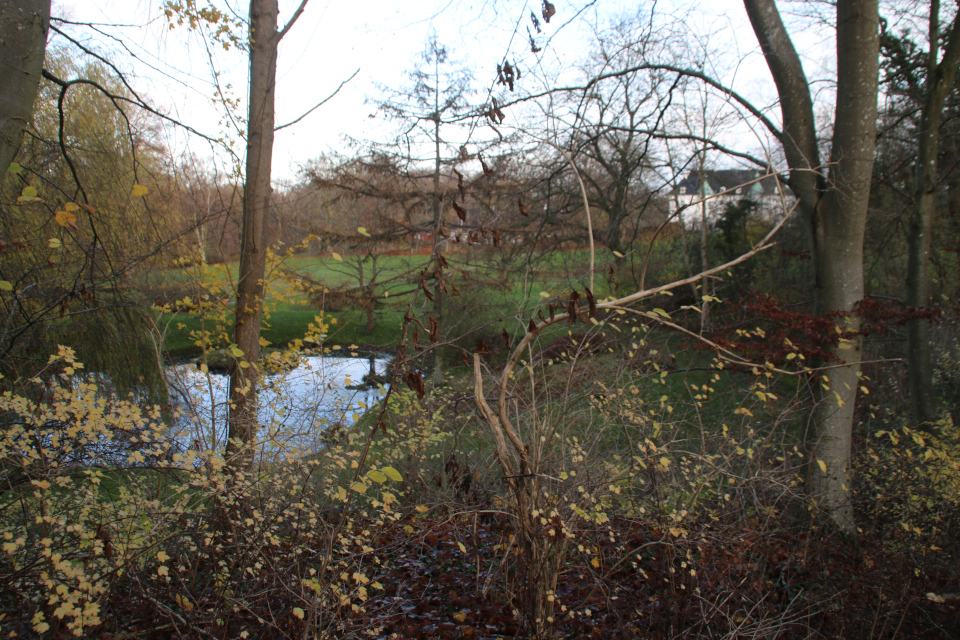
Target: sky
382,41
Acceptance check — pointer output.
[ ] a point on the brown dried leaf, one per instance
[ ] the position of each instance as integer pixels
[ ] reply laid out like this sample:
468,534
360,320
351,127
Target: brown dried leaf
463,190
523,208
506,339
548,11
592,302
414,380
481,347
461,212
426,289
486,170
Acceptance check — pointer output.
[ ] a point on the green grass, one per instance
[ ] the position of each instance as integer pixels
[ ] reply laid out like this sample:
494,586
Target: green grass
290,322
491,293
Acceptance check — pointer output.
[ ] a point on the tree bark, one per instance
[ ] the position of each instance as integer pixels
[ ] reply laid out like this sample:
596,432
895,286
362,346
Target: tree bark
23,42
244,374
835,211
940,77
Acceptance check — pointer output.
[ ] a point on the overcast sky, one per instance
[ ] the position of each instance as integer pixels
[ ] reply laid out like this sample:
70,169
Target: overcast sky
383,40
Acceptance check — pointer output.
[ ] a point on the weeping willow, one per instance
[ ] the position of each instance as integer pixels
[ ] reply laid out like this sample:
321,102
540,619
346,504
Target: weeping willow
116,342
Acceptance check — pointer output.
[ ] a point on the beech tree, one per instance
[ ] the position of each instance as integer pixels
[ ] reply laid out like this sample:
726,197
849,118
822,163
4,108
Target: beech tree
833,200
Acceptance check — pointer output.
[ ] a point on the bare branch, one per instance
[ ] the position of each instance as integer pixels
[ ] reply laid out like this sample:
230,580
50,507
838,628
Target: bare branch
296,16
321,103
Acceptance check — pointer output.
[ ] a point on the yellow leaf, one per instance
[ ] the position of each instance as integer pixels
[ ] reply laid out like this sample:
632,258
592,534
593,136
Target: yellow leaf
15,168
71,206
298,612
163,570
29,192
618,254
362,231
460,617
5,286
544,294
139,190
595,562
64,218
822,465
422,509
665,461
204,368
463,549
54,243
359,487
162,557
342,494
377,477
393,474
791,356
336,256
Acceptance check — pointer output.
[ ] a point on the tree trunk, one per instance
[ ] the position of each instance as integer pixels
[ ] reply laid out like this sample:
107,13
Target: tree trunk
23,42
840,234
835,212
253,251
940,76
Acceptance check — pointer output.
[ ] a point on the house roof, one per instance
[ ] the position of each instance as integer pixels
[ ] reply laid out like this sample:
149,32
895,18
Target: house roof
726,179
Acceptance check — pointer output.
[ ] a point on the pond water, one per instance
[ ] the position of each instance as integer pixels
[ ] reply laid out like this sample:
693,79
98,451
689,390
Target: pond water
295,405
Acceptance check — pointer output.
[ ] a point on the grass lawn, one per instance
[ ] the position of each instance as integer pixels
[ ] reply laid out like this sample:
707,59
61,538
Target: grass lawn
490,291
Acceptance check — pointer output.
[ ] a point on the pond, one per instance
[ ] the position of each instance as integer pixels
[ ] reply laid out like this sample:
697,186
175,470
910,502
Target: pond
296,405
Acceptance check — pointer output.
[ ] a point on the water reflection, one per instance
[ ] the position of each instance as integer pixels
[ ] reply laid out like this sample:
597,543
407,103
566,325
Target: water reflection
296,405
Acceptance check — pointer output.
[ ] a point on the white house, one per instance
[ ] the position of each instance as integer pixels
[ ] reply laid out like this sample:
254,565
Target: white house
716,189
